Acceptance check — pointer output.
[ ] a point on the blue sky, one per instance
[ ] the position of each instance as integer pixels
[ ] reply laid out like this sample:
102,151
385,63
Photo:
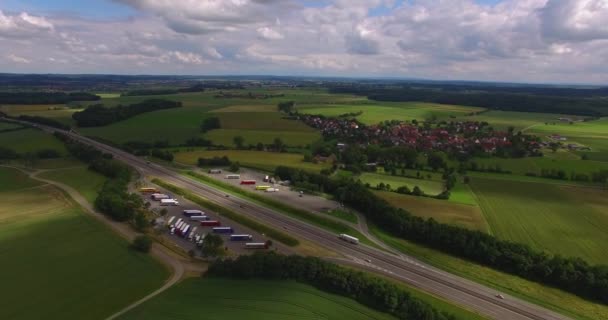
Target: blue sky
563,41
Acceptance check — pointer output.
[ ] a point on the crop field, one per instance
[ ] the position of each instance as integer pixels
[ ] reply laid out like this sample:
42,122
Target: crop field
560,301
87,182
599,148
543,215
30,140
522,166
502,120
58,263
431,187
58,112
249,299
8,126
375,113
467,216
267,161
225,137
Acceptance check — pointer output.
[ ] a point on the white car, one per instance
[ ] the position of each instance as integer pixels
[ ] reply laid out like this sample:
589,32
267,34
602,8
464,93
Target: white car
500,296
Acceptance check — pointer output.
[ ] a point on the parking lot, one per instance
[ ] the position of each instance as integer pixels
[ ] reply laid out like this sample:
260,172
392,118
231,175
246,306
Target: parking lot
284,194
237,247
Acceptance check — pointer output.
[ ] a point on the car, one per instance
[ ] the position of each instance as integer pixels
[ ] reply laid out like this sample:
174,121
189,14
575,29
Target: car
500,296
368,260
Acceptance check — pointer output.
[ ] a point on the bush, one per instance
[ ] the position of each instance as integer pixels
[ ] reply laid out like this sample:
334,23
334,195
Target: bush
142,243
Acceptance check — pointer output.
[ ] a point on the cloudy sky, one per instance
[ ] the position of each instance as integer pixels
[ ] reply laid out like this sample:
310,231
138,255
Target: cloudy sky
563,41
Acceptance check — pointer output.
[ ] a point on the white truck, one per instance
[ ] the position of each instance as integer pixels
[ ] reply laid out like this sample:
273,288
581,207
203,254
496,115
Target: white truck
169,202
159,196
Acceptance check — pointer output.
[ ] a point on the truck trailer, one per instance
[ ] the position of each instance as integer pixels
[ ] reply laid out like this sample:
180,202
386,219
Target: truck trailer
210,223
169,202
199,218
348,238
190,213
223,230
256,245
247,181
241,237
159,196
233,176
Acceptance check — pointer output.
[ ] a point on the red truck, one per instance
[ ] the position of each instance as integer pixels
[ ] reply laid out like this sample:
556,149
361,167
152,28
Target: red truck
247,181
210,223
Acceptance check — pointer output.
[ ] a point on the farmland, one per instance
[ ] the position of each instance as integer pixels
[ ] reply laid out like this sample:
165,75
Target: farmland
267,161
502,120
521,166
375,113
30,140
543,215
87,182
59,263
467,216
249,299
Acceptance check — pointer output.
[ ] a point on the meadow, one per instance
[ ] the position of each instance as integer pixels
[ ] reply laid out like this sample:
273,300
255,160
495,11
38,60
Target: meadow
502,120
228,299
30,140
431,187
462,215
59,263
521,166
87,182
543,215
379,112
8,126
266,161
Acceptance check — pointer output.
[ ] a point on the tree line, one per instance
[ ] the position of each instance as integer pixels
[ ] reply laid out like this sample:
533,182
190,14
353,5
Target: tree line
570,274
41,97
44,121
99,115
374,292
114,199
499,100
153,92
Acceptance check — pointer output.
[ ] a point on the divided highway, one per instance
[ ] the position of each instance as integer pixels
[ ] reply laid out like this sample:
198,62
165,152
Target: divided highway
463,292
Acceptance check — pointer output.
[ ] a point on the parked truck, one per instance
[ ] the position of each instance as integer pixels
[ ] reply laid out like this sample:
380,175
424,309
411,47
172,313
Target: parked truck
199,218
248,182
190,213
233,176
241,237
169,202
223,230
256,245
210,223
159,196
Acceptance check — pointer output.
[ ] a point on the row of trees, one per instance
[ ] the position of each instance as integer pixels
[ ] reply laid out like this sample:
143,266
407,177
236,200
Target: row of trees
214,162
501,100
570,274
41,97
99,115
114,200
154,92
45,121
374,292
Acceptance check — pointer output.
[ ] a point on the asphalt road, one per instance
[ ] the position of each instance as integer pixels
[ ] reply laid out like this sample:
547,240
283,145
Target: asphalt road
407,269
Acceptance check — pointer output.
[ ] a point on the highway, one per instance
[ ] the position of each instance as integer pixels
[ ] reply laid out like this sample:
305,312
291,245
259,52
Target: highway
460,291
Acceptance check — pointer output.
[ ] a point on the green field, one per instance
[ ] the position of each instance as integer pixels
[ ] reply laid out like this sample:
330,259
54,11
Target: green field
30,140
256,159
521,166
8,126
375,112
519,120
59,263
466,216
431,187
545,215
560,301
87,182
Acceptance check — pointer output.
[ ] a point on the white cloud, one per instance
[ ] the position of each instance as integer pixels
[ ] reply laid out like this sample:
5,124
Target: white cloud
17,59
269,33
15,26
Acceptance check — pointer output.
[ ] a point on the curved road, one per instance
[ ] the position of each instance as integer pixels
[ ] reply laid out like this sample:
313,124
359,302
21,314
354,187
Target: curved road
463,292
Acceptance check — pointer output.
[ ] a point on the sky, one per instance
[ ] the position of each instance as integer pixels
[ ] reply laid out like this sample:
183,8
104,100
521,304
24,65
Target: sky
553,41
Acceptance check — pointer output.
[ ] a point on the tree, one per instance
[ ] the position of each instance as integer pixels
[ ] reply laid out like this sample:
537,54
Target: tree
142,243
163,212
278,144
259,146
213,246
141,222
210,124
238,141
235,167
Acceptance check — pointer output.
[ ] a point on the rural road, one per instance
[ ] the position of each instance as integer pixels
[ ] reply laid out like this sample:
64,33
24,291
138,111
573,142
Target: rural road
174,264
468,294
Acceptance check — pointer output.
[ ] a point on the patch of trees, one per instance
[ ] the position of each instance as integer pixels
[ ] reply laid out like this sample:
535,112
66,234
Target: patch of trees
113,200
570,274
600,176
286,107
142,243
45,97
214,162
99,115
154,92
210,124
499,100
162,154
44,121
374,292
8,153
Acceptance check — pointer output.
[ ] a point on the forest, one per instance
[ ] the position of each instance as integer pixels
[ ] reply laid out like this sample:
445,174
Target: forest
99,115
23,97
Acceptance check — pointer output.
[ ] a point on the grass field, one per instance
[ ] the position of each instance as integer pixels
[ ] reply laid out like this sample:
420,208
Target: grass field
58,263
30,140
58,112
544,215
378,112
466,216
256,159
8,126
521,166
228,299
502,120
431,187
560,301
87,182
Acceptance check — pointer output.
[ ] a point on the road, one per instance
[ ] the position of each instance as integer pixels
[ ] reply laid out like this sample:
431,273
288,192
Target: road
463,292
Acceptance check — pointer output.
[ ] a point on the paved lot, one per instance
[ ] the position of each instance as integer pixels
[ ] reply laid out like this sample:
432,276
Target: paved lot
285,194
184,204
